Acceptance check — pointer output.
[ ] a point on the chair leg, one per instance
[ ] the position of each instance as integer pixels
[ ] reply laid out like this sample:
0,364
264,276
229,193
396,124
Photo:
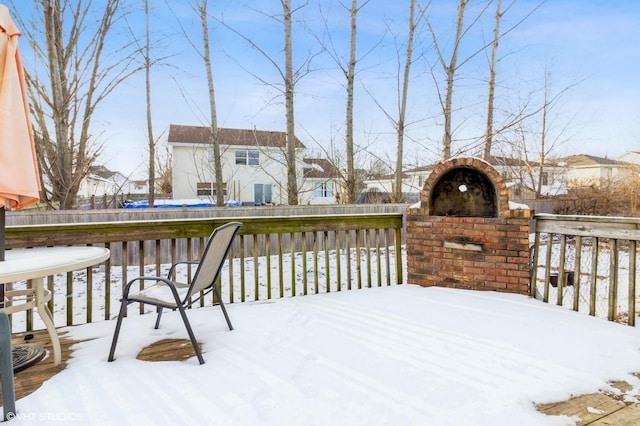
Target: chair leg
194,342
158,318
224,310
114,342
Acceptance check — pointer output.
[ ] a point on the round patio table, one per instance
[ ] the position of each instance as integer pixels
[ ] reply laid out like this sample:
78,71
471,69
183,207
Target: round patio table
33,265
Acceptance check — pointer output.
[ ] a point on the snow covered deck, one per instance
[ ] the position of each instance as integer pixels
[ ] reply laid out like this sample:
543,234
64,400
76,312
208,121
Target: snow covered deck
381,356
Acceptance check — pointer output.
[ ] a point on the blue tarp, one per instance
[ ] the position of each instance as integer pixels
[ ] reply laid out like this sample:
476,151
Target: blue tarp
175,204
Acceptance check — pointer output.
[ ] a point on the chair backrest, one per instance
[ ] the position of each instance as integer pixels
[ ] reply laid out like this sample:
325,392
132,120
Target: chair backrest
215,252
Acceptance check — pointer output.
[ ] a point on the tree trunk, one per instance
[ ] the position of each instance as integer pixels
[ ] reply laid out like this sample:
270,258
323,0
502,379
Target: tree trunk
289,84
350,180
397,189
450,71
215,142
488,136
152,145
62,167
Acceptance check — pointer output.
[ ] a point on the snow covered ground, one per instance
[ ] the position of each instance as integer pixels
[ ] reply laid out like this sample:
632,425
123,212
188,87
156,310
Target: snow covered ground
399,355
377,356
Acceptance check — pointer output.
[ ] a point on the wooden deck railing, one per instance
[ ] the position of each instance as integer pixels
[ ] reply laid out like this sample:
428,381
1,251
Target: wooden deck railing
587,263
272,257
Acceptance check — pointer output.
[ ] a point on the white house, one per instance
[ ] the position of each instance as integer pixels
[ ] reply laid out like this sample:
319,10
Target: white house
588,170
94,185
630,157
253,164
322,182
101,181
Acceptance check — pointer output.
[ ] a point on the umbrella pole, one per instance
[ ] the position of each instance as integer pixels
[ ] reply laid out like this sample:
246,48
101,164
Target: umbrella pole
2,233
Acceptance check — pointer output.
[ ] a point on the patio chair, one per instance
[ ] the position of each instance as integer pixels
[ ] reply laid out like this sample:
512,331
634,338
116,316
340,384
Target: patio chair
166,293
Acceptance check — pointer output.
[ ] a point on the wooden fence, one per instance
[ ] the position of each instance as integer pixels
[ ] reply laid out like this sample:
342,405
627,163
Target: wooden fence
38,217
273,256
587,263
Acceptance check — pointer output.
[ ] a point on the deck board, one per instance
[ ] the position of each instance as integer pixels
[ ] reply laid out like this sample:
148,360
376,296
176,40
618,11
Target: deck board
588,408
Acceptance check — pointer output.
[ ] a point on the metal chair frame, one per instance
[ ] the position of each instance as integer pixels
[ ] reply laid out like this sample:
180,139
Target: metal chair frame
203,282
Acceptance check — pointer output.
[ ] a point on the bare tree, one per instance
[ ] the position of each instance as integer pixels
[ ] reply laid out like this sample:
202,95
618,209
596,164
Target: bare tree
405,61
536,136
289,78
514,118
402,101
151,141
206,54
289,86
449,68
67,85
488,136
348,68
350,73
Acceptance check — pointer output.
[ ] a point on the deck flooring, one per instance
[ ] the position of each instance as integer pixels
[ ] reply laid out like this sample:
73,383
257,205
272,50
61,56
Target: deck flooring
598,409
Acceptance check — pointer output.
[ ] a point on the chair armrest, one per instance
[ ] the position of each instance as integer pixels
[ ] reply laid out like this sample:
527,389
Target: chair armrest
184,262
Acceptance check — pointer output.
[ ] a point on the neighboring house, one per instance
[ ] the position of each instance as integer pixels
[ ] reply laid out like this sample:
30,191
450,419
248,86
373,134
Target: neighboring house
137,187
631,157
101,181
322,182
412,181
253,164
591,171
94,185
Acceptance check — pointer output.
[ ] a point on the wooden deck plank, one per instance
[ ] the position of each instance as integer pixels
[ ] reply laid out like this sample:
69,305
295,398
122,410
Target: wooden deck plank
168,350
588,408
29,380
627,416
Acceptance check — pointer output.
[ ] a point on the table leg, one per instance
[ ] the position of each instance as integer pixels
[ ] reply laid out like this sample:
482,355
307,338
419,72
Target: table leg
47,318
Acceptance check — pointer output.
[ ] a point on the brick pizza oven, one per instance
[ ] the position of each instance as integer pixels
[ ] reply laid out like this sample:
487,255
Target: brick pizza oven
464,235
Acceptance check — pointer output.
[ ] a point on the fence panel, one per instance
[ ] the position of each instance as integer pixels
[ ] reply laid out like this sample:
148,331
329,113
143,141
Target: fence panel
587,263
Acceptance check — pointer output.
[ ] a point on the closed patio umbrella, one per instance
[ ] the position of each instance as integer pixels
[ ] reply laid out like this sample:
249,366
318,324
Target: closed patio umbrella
19,178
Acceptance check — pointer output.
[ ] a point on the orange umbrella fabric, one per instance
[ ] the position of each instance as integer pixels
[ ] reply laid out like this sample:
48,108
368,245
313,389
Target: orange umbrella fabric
19,177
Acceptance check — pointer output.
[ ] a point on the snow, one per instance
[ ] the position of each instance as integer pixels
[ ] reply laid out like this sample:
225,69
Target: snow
398,355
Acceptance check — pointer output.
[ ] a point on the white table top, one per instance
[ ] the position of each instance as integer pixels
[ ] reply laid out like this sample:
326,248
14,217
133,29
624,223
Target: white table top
38,262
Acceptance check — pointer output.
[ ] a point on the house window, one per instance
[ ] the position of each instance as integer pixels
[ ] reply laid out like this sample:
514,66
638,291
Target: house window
324,190
262,193
208,189
247,157
545,178
204,189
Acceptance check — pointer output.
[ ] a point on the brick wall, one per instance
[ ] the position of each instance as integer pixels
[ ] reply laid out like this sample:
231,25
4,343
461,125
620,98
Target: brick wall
474,253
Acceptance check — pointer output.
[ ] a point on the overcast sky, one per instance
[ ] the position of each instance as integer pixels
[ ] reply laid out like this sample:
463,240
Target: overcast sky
588,47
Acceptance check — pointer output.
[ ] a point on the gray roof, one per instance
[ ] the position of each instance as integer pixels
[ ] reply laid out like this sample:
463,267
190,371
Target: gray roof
320,168
241,137
582,160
